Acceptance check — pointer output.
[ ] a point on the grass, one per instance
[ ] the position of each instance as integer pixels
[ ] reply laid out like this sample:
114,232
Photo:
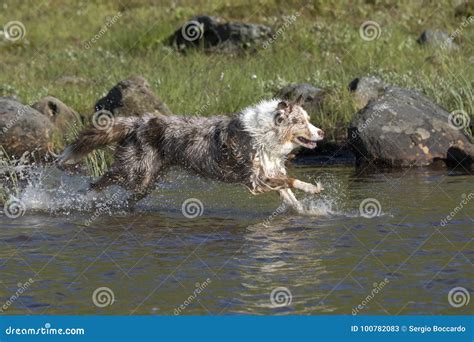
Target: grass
322,47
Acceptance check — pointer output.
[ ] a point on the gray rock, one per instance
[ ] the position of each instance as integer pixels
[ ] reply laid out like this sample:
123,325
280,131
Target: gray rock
60,114
438,39
404,128
313,97
214,34
24,129
366,89
132,97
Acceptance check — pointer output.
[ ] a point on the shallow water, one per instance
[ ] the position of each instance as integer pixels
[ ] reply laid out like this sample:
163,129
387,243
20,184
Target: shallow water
239,248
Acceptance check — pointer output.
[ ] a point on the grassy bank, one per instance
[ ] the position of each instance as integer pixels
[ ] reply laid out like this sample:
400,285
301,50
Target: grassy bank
322,47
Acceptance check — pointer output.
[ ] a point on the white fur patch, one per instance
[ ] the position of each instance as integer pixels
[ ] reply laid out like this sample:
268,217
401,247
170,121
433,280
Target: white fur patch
258,121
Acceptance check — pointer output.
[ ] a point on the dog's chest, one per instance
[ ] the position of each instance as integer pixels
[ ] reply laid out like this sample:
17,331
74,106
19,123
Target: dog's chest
272,165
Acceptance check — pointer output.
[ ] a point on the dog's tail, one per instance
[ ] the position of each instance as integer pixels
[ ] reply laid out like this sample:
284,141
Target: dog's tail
97,137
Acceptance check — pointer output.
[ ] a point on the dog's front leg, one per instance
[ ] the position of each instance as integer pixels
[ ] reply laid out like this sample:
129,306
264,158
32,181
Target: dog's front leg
307,187
292,183
289,199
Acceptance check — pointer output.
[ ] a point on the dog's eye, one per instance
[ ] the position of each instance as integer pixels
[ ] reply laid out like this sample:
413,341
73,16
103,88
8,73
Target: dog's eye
279,119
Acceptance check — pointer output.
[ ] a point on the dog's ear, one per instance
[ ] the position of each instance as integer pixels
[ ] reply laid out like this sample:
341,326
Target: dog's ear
300,100
283,105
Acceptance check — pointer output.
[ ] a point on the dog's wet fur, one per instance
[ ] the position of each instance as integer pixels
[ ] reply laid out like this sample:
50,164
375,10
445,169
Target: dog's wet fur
249,148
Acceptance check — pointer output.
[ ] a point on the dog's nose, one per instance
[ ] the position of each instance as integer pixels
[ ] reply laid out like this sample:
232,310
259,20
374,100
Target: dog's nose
321,133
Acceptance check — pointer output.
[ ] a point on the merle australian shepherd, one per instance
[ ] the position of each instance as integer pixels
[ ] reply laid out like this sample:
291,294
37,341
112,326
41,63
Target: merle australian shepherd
249,148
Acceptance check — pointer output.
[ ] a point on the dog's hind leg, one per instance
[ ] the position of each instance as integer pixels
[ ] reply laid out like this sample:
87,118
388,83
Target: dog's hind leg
111,177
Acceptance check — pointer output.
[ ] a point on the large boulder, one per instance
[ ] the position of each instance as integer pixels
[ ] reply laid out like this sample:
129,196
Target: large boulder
24,129
437,39
313,97
62,116
404,128
365,89
213,33
132,97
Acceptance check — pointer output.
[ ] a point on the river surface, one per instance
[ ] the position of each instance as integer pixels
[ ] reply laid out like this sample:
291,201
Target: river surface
373,243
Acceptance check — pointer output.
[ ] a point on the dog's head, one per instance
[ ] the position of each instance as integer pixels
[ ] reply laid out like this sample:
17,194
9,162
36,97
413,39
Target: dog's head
291,123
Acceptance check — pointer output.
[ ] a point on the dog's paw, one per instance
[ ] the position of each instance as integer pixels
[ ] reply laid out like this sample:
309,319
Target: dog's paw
320,187
309,188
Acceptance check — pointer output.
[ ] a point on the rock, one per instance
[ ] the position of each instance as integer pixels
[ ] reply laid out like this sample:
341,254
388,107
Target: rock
313,97
60,114
132,97
213,33
404,128
465,9
437,39
366,89
24,129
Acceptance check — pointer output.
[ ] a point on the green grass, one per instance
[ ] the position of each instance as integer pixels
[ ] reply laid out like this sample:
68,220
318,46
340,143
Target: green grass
322,47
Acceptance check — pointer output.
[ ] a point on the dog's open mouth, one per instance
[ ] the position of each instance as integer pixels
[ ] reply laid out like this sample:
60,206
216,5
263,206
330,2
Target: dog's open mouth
306,142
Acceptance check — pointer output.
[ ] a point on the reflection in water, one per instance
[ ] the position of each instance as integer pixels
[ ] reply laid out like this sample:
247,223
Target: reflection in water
154,259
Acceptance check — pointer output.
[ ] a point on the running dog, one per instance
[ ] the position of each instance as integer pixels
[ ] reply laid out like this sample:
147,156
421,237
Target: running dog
249,148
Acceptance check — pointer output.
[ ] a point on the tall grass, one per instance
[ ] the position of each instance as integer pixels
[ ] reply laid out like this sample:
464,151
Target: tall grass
322,47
